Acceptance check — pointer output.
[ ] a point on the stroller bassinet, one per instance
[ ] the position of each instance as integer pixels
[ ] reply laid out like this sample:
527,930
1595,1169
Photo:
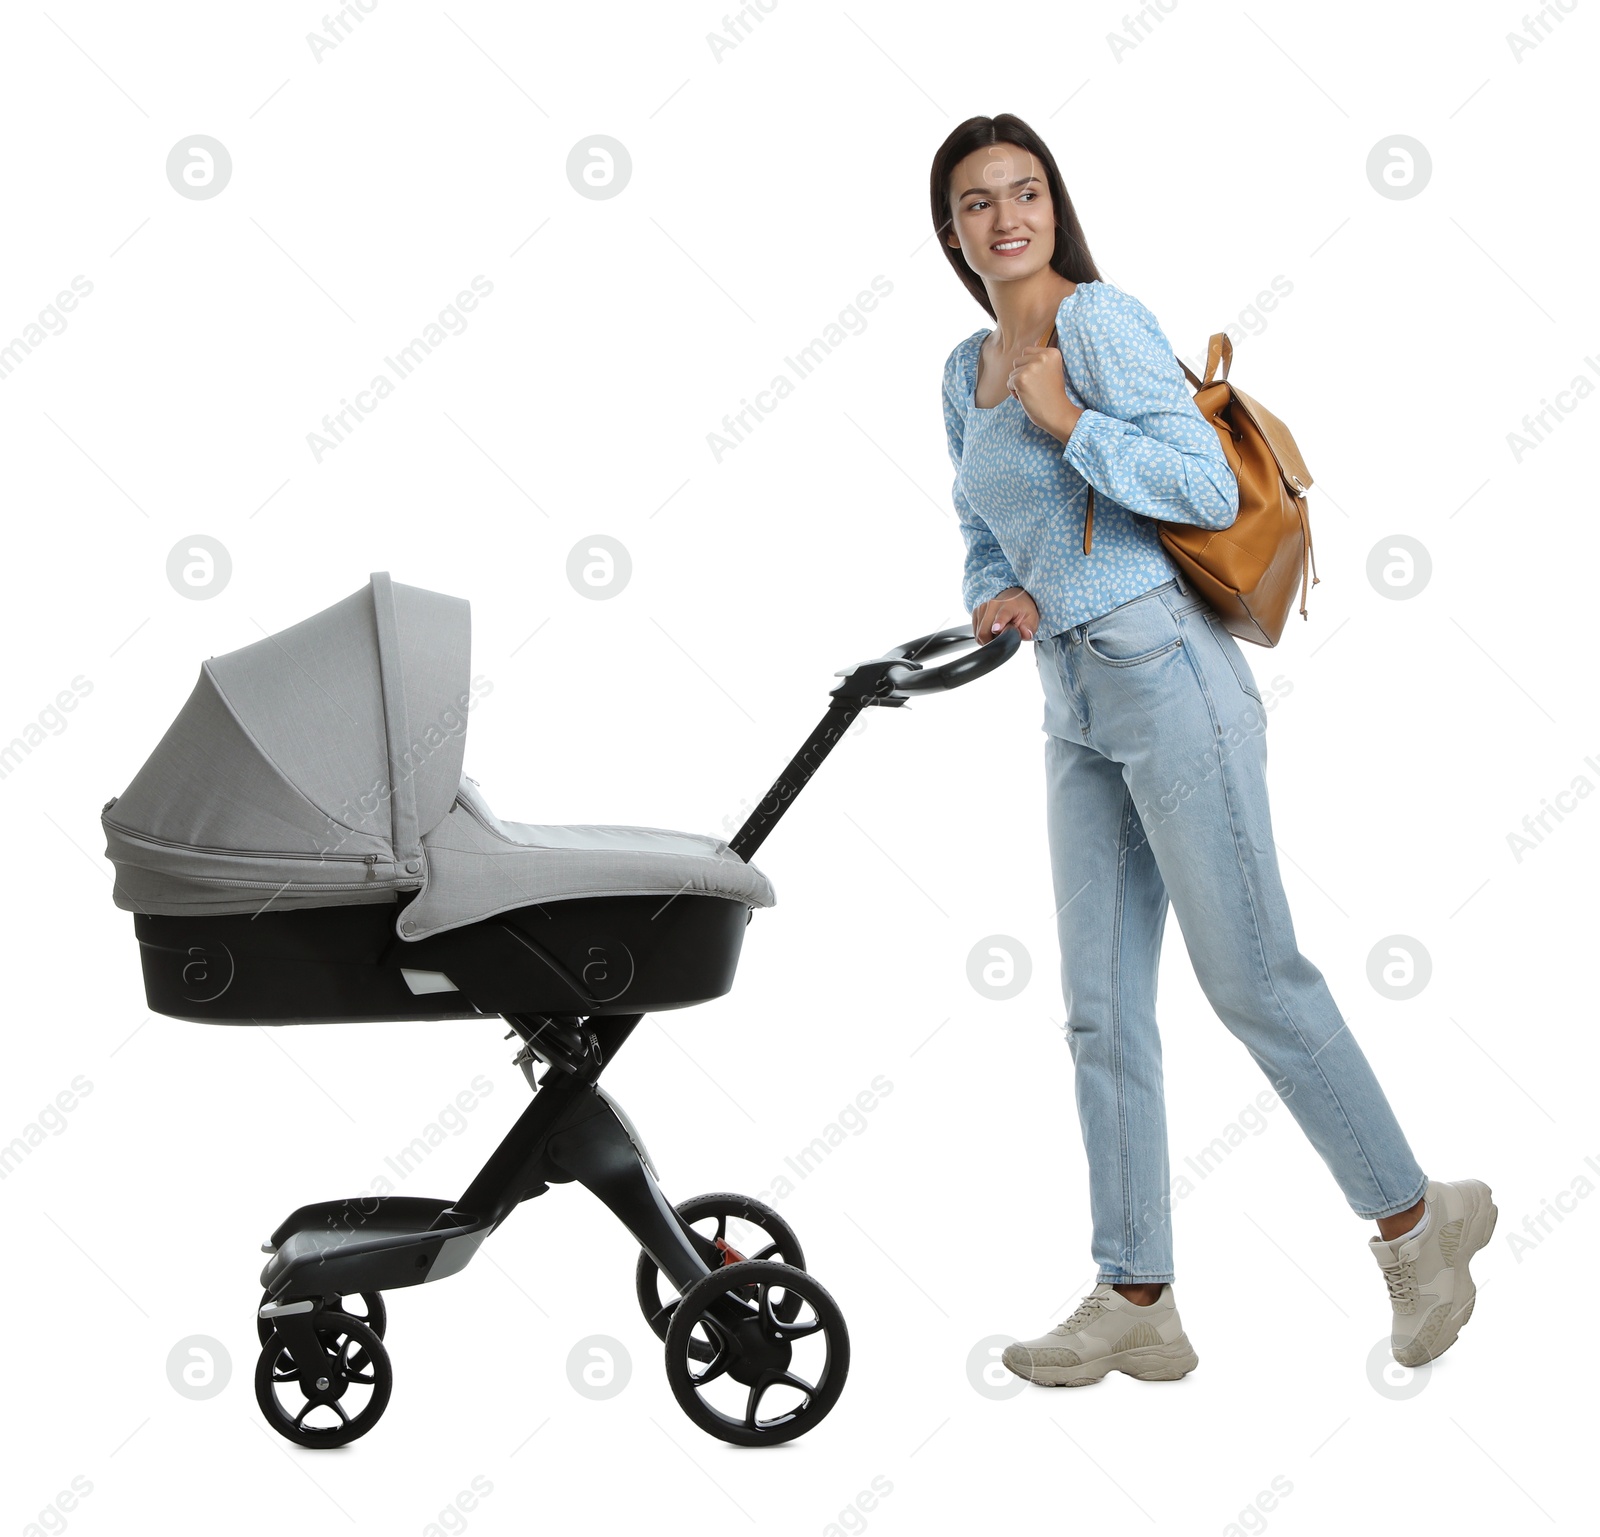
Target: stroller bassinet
301,847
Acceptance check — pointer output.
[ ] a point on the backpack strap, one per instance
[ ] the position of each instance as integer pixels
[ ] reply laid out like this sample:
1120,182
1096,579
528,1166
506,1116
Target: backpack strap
1308,559
1219,349
1220,345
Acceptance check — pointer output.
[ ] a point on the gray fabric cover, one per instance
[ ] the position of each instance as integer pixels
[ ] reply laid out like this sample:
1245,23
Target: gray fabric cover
322,766
479,865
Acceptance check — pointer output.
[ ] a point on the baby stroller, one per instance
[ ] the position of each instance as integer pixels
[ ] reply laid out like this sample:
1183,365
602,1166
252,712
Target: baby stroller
301,848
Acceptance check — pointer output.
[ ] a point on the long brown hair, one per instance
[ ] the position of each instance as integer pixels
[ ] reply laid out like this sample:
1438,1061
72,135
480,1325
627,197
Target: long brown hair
1071,257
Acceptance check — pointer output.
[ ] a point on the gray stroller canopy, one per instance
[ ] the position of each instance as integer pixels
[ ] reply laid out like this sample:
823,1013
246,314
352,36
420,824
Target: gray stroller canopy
322,766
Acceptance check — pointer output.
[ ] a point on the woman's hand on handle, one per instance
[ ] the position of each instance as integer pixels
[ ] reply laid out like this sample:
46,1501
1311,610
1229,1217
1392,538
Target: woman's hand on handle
1012,608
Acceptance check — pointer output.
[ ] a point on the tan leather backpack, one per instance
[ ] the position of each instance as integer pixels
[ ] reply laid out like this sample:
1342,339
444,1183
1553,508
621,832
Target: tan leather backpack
1247,571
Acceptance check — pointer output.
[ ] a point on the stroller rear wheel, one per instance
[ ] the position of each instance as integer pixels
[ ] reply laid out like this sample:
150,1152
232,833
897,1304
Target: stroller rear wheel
345,1398
741,1227
364,1307
760,1377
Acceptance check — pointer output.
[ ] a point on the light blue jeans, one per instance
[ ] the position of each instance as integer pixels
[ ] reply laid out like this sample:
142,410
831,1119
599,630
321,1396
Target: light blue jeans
1156,770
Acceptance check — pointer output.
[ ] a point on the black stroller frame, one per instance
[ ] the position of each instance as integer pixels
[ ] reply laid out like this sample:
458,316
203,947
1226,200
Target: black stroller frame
322,1318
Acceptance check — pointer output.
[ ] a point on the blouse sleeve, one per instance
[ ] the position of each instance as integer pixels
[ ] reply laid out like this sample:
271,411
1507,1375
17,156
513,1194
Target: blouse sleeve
986,571
1143,442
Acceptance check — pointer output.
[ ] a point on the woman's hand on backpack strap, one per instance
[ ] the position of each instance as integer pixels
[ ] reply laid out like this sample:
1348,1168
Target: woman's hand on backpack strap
1039,382
1012,608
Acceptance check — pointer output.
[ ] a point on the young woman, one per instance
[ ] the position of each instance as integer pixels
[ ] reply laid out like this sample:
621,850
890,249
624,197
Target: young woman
1154,759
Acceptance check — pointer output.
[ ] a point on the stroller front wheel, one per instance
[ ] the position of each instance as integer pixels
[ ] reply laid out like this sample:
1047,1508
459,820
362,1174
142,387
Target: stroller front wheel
343,1397
757,1353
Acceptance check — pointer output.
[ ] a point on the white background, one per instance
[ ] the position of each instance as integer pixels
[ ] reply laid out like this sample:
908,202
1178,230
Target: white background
768,189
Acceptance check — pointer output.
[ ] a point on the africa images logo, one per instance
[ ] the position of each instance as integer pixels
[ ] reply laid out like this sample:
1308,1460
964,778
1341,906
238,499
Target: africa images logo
207,972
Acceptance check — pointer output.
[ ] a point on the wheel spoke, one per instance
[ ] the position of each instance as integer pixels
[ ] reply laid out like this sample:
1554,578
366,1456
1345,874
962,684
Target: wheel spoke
309,1406
719,1362
770,1379
353,1358
800,1331
771,1324
715,1367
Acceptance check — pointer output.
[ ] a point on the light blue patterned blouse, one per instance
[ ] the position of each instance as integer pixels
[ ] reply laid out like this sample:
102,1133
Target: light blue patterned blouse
1141,442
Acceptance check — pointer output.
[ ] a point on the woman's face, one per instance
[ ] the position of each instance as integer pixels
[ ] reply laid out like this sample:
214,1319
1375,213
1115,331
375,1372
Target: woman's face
1001,214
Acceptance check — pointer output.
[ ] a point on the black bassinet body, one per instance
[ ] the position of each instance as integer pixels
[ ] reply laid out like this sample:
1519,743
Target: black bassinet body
595,955
302,847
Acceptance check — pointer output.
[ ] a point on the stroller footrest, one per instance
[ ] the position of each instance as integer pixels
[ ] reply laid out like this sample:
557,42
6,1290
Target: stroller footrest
371,1243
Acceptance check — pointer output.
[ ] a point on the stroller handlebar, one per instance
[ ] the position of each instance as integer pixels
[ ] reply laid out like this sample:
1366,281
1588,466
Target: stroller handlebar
887,681
924,680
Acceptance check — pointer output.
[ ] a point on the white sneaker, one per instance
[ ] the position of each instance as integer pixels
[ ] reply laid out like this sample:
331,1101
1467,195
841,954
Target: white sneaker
1107,1333
1429,1286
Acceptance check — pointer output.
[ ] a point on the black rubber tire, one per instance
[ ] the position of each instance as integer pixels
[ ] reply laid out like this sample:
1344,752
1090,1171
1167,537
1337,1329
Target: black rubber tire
366,1364
784,1248
761,1275
373,1313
